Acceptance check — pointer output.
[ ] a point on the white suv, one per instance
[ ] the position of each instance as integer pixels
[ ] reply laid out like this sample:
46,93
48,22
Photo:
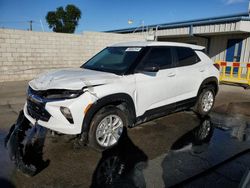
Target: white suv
122,86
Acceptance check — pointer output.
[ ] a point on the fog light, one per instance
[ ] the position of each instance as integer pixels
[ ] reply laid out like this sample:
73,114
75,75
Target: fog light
67,114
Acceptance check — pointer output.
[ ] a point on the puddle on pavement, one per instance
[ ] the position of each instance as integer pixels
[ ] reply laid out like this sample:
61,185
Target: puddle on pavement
182,158
6,165
193,153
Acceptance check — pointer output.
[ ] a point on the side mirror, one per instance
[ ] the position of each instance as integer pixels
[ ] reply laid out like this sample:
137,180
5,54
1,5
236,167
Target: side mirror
151,68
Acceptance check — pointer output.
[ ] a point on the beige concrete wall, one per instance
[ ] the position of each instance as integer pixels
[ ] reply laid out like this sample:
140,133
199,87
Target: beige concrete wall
24,54
96,41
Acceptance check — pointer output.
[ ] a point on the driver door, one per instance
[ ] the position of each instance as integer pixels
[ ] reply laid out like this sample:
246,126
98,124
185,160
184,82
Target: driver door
155,88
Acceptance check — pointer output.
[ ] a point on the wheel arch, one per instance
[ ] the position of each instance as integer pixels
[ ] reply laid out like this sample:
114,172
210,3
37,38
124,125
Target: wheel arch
121,100
208,82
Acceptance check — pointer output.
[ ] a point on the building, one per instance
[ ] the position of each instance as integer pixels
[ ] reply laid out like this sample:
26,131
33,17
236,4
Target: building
226,38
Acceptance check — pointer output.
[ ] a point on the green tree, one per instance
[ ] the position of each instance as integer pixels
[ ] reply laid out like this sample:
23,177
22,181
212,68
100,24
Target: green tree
64,20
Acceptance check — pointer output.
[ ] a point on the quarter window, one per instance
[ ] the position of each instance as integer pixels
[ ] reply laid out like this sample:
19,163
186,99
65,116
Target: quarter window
186,56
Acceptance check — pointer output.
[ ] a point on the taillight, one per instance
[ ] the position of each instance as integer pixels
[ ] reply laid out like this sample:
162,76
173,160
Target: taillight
217,66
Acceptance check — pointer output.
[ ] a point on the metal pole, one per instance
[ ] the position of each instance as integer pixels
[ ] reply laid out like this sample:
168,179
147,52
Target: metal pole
156,36
42,25
249,8
31,25
156,30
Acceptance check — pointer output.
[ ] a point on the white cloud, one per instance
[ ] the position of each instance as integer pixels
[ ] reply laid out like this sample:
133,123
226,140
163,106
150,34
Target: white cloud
230,2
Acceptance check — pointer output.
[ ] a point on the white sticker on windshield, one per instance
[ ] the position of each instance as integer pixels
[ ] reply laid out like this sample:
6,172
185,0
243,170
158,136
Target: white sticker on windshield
133,49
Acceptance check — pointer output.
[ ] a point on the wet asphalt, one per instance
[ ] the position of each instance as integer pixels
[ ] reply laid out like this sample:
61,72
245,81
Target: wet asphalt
179,150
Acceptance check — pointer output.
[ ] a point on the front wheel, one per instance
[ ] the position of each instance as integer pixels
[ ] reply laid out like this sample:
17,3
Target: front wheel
205,101
107,127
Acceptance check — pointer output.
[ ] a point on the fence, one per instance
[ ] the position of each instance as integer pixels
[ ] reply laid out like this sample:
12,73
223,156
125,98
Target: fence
234,73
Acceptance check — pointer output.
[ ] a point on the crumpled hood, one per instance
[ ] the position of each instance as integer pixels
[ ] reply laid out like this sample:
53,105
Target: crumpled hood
72,79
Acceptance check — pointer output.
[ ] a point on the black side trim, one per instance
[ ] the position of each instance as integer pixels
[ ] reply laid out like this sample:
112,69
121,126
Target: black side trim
113,99
185,104
165,110
118,98
155,113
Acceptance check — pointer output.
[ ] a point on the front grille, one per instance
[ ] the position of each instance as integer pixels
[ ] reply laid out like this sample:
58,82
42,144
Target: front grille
37,110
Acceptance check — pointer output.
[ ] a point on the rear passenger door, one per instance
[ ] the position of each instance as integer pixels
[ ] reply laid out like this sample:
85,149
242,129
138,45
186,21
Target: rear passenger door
189,69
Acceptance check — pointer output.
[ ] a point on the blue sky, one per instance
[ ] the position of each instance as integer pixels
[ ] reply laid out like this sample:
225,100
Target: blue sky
102,15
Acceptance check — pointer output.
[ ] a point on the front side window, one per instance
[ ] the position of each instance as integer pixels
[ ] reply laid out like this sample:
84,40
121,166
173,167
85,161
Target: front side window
160,56
186,56
113,59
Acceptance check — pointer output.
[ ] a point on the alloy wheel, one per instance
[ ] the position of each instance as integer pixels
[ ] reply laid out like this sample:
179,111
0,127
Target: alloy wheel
207,101
109,130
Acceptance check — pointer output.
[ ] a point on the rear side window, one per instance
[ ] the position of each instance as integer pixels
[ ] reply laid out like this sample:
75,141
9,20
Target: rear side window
160,56
186,56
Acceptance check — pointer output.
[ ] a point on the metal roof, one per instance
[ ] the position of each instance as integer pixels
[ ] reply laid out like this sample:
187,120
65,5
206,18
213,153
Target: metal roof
205,21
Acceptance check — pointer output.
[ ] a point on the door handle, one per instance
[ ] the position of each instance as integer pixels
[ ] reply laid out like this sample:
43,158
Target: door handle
171,74
202,70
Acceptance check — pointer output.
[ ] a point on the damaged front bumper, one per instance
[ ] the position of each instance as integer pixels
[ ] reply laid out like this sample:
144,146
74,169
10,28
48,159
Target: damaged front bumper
25,146
49,114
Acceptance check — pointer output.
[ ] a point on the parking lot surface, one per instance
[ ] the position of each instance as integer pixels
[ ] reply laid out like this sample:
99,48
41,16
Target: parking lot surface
180,150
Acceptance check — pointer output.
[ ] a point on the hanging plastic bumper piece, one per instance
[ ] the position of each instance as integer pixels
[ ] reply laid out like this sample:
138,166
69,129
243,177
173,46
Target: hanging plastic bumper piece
25,146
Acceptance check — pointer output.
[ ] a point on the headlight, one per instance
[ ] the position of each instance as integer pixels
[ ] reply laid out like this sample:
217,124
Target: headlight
62,94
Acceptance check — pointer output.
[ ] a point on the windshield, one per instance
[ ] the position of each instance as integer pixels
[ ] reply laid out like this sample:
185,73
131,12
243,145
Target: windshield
113,59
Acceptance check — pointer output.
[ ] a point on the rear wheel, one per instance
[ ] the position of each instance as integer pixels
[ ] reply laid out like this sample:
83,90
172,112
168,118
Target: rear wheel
205,101
107,127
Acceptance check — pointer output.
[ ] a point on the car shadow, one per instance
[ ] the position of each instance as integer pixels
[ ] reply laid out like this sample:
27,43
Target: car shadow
121,166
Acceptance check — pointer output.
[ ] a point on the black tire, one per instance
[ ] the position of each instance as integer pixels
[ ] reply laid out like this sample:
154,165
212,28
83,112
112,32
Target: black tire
98,117
198,108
